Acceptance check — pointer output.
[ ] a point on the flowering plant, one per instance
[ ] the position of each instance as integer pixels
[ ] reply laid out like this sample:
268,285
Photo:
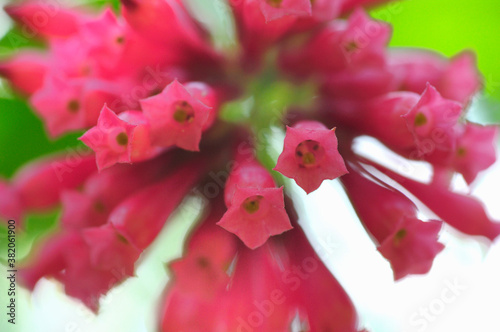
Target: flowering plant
166,115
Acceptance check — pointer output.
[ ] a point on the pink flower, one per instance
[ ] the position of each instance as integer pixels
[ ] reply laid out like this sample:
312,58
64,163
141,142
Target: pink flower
110,139
310,155
340,46
256,214
103,191
25,72
202,271
256,209
161,198
320,298
475,150
123,138
40,184
162,21
176,117
68,105
75,259
433,118
109,250
10,203
412,246
167,23
457,79
264,288
387,111
257,34
35,18
390,218
455,209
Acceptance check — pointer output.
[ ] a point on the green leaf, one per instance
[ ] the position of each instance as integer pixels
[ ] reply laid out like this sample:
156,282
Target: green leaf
23,138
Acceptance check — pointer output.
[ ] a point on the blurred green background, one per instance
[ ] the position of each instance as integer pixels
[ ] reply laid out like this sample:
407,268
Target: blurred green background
449,26
442,25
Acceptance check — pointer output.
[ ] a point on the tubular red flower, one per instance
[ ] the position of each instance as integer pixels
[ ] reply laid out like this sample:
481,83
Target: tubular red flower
434,118
162,21
386,112
180,309
255,33
176,117
475,150
390,217
103,191
111,139
319,296
39,185
84,271
257,283
168,23
10,203
109,250
465,213
358,43
25,72
256,208
50,259
256,214
123,138
68,105
269,286
203,270
161,199
412,247
456,79
46,19
247,173
310,155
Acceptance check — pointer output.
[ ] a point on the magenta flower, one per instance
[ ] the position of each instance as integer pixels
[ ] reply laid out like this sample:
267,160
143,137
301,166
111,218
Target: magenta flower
310,155
167,116
25,72
256,209
110,139
433,116
176,117
409,244
412,246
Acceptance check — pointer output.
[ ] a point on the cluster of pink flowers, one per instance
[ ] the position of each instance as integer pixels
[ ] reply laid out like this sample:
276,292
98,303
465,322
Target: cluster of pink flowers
151,92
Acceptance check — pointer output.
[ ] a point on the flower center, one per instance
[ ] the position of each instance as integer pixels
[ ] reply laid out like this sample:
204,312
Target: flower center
99,206
122,139
184,112
420,120
274,3
121,238
73,106
309,154
252,204
203,262
400,235
351,46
